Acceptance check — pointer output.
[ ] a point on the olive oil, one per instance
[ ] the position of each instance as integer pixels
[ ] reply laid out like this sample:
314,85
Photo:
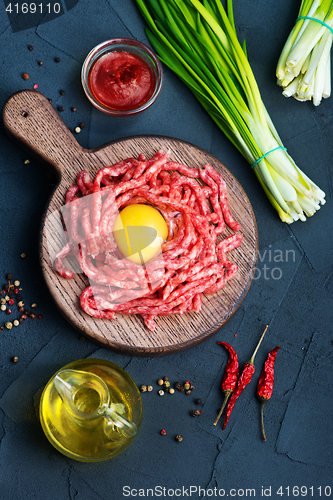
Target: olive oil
79,422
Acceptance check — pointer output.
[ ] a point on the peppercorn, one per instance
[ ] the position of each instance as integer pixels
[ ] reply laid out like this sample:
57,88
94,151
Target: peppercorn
16,291
16,322
82,125
161,393
8,311
24,316
32,315
176,385
34,305
194,413
3,301
143,388
6,287
181,388
163,432
7,298
30,47
166,384
15,359
198,401
77,130
9,325
40,63
1,328
187,385
61,108
40,316
188,392
192,387
11,302
171,390
17,283
73,109
9,276
3,307
57,59
19,297
20,303
11,294
23,255
21,320
25,76
179,438
149,388
160,382
62,92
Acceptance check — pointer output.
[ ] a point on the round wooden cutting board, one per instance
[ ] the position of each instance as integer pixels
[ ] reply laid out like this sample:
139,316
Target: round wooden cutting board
31,121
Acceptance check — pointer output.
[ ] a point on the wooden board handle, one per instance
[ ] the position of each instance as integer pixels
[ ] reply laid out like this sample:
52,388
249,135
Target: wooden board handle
31,121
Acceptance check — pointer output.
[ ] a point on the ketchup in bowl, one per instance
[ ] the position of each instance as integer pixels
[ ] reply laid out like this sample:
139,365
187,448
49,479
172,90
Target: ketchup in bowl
121,77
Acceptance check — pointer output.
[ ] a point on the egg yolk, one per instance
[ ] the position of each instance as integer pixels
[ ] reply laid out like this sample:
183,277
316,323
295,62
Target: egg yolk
139,231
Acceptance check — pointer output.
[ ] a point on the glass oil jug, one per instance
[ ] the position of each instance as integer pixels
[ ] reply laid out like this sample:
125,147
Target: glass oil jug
90,410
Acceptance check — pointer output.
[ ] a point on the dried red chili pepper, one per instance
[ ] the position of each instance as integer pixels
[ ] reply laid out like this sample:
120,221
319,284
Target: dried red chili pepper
230,377
243,381
265,384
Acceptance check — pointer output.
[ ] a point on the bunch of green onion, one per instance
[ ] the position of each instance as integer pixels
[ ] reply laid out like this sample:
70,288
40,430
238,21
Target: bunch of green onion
198,41
304,66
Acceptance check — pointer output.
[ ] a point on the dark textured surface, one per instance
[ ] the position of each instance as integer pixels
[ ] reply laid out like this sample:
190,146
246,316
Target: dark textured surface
292,290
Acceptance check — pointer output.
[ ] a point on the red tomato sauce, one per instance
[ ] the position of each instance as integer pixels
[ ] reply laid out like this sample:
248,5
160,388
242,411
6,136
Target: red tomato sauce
121,81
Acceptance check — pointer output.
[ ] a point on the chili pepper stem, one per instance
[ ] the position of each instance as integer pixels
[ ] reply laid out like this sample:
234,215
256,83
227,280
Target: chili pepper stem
262,420
251,362
226,397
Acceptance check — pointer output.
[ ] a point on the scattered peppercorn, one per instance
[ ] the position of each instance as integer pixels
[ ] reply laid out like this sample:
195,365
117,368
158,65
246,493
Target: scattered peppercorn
8,311
25,76
19,297
187,385
9,325
198,401
26,162
9,276
192,387
161,393
73,109
61,108
149,388
10,294
82,125
23,316
20,303
165,379
166,384
15,359
57,59
188,392
77,130
179,438
62,92
21,320
194,413
16,291
160,382
181,388
50,101
176,385
7,298
26,312
16,322
3,307
40,316
36,86
11,302
171,390
143,388
40,63
23,255
163,432
30,47
3,301
32,315
34,305
1,328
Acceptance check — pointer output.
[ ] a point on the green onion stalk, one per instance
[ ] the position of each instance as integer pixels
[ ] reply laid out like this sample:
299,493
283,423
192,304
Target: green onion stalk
304,66
198,41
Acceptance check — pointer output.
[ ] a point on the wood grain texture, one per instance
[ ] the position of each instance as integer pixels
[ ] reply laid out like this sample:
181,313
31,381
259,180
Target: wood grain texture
31,121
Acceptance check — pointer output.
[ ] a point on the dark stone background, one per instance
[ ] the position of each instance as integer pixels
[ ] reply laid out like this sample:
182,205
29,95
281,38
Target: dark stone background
298,306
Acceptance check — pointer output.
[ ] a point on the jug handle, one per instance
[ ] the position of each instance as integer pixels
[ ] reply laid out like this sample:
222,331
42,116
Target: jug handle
127,428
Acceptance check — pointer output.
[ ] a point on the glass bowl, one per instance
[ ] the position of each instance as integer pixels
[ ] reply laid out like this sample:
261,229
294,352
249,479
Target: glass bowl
137,51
